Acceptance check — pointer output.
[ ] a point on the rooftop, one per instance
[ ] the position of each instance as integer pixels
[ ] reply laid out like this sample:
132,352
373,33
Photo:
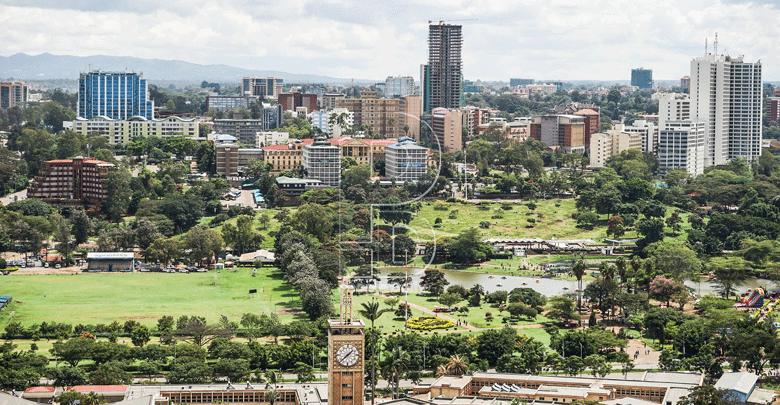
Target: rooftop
742,381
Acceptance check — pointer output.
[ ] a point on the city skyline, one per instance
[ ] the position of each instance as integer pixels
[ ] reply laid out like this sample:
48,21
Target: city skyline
373,40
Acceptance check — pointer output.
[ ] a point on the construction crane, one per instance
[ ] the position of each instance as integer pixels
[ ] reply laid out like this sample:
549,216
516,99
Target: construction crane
444,21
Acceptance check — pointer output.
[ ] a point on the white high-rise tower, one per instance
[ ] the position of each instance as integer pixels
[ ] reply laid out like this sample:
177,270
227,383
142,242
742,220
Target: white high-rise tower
726,95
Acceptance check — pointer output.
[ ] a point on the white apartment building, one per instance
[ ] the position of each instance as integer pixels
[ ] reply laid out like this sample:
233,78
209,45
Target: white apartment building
400,86
673,107
122,132
405,161
726,95
265,138
604,145
322,161
328,121
682,145
647,131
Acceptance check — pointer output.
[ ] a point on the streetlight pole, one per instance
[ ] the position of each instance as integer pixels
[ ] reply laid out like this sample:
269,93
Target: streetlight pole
580,349
406,280
563,352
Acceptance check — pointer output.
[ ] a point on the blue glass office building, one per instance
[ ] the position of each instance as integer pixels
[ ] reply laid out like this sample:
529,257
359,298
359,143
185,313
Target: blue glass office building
117,95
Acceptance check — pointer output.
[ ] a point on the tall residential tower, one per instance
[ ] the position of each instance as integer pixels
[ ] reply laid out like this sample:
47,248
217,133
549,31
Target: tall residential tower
726,95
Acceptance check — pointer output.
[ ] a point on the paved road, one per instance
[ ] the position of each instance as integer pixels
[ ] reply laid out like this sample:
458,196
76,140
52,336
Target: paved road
19,195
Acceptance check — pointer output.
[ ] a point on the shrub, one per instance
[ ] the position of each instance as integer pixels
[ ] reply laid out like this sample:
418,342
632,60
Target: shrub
3,264
453,214
441,206
506,206
483,207
429,323
484,224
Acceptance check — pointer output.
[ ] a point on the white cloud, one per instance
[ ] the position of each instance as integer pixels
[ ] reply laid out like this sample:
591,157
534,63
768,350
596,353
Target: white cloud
556,39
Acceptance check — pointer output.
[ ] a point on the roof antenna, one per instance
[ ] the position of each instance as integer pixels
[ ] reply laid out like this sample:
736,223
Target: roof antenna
706,46
716,44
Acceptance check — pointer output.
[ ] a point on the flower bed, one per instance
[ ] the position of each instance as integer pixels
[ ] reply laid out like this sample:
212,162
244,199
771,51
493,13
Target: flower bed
429,323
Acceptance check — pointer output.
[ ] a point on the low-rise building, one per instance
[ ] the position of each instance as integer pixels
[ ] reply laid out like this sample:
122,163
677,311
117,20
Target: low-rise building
72,182
604,145
122,132
405,160
647,131
265,138
379,114
447,127
224,103
291,101
565,131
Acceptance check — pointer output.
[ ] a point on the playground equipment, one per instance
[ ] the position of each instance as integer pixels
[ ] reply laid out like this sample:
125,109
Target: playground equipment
755,299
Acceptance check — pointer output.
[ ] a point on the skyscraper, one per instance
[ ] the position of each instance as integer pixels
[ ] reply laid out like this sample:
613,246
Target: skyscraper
726,95
13,94
444,66
117,95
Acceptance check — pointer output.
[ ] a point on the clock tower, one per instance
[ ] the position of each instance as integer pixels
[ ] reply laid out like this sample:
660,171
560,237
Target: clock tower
345,355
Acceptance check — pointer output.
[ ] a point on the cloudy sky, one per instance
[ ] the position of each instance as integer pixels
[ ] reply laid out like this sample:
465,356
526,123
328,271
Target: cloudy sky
371,39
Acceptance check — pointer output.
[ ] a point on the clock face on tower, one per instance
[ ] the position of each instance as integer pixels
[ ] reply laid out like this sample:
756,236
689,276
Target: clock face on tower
347,355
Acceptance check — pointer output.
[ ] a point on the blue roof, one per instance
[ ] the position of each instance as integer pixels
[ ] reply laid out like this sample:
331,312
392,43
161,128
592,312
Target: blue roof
5,296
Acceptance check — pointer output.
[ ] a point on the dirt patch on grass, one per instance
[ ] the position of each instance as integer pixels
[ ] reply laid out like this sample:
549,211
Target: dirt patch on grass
289,311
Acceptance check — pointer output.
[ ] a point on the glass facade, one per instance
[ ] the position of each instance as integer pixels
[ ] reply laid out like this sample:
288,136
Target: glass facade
116,95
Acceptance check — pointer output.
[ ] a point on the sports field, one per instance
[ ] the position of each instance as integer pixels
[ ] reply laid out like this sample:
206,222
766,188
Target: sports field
106,297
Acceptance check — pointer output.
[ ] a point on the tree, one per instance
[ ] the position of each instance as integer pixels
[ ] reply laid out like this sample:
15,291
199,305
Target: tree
73,350
433,281
314,220
663,289
241,237
394,364
579,272
304,372
315,297
233,369
163,250
675,260
707,395
108,374
573,365
140,335
118,193
370,310
598,365
81,226
183,211
165,324
457,365
68,376
562,308
203,242
449,299
399,279
469,248
520,309
730,272
615,226
675,222
197,331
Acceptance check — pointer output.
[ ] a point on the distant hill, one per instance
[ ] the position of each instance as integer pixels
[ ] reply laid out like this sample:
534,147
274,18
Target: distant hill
48,66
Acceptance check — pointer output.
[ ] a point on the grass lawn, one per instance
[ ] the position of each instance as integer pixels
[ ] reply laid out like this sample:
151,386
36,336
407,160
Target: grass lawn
92,298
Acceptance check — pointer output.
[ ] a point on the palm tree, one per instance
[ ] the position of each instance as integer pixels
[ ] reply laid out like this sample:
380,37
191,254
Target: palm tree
579,271
620,263
273,377
271,396
395,364
372,312
441,370
636,265
457,365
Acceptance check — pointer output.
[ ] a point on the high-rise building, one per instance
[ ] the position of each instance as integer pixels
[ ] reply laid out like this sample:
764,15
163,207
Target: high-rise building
262,86
329,100
322,161
444,65
642,78
380,114
773,109
72,182
447,127
405,161
400,86
685,83
291,101
116,95
726,94
13,94
411,111
245,130
425,88
673,107
682,145
592,123
520,82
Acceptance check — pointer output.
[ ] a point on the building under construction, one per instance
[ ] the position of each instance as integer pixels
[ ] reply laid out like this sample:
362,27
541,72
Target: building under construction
444,74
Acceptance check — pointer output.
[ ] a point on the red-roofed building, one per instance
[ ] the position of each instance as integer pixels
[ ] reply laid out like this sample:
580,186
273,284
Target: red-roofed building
72,182
591,123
